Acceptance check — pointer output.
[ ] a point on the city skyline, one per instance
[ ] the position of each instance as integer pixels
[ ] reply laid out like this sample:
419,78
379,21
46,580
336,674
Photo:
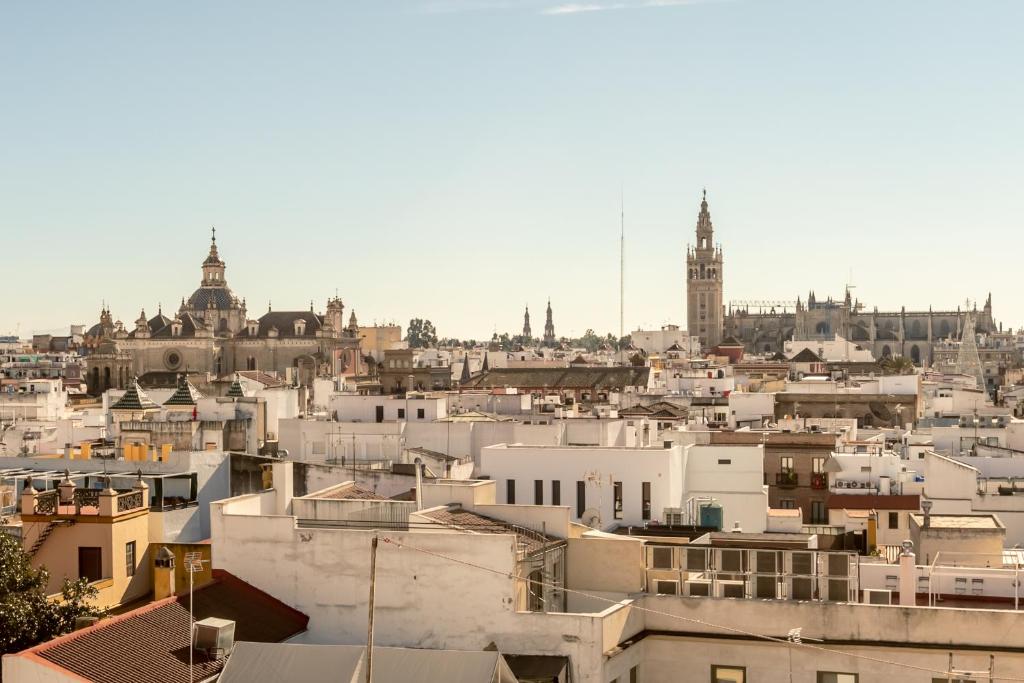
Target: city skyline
358,149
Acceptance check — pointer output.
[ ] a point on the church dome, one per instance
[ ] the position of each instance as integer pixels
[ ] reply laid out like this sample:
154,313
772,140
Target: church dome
221,297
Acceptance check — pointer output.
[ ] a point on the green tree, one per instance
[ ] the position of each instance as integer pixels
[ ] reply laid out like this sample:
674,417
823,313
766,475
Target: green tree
27,617
897,365
589,341
421,334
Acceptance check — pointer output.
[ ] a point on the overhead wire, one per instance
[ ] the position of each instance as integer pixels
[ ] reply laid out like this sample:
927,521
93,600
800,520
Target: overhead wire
732,629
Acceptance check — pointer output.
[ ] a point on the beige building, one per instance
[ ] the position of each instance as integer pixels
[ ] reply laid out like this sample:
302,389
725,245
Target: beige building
99,535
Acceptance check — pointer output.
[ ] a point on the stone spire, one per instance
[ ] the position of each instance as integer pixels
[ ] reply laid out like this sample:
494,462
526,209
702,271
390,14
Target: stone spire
527,332
549,328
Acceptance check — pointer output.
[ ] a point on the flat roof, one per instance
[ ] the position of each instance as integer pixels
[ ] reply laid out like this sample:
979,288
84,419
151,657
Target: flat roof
959,521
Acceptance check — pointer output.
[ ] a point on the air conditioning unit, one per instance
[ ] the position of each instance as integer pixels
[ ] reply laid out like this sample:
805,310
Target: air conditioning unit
877,596
215,637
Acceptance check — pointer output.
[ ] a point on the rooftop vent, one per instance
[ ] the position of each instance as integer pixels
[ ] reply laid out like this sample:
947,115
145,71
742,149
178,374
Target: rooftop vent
215,637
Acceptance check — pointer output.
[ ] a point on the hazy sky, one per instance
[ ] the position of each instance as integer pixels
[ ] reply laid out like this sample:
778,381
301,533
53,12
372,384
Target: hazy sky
458,159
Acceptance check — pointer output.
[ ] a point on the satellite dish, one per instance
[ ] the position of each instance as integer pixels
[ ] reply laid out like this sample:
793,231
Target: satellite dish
591,517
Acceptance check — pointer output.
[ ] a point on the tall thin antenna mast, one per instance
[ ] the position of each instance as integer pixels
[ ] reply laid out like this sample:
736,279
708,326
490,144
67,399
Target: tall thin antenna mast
622,269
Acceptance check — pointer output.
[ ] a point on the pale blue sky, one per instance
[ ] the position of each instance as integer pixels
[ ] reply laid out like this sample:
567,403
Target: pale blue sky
457,159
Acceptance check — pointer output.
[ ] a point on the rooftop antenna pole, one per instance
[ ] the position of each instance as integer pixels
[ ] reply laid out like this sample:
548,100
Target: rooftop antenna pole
369,630
622,269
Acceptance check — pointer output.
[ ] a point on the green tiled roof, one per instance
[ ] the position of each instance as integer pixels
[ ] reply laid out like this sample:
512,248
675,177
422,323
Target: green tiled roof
236,389
134,399
184,395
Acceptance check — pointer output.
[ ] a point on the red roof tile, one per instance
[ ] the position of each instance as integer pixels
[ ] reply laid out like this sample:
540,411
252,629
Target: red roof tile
151,643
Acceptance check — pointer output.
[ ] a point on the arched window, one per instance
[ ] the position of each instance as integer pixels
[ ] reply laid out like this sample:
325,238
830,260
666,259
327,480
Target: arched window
223,324
915,354
944,329
250,363
106,378
886,352
821,328
702,271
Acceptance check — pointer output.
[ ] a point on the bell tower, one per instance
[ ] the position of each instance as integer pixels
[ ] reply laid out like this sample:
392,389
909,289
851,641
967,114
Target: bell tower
704,313
213,266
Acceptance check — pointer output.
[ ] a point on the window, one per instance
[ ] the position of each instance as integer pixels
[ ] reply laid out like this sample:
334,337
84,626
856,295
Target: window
894,520
786,463
401,413
836,677
818,513
634,674
787,504
617,498
818,465
129,558
420,413
90,563
725,461
510,491
728,674
556,492
581,498
538,491
645,500
661,557
666,587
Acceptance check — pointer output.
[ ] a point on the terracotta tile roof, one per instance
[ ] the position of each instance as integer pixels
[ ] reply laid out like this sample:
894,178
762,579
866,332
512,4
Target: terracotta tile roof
353,492
150,644
465,520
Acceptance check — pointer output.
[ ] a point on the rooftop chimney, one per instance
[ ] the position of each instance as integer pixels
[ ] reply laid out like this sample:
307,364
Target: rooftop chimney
926,506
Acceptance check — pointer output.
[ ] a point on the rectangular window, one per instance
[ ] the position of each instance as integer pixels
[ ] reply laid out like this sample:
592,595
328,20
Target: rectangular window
420,413
401,413
728,674
538,491
894,520
510,491
90,563
634,674
786,463
617,498
818,465
581,498
645,500
787,504
818,513
836,677
556,492
129,558
661,557
725,461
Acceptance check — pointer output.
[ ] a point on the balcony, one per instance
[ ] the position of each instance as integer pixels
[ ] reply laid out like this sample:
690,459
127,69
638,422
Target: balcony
67,501
787,479
819,480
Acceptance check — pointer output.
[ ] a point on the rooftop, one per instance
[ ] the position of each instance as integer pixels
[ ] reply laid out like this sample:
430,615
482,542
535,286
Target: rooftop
959,521
150,644
456,518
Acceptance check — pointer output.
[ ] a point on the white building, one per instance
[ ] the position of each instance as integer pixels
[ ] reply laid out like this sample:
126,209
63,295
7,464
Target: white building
660,341
420,407
616,486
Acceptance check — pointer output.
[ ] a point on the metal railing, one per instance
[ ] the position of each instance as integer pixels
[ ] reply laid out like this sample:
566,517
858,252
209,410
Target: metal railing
127,502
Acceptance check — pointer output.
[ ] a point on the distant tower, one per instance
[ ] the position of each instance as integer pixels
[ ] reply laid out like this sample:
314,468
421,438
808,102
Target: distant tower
968,362
527,332
704,283
549,329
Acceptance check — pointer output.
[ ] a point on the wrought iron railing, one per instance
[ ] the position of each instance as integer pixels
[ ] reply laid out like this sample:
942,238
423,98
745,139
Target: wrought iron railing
129,501
87,498
46,502
787,478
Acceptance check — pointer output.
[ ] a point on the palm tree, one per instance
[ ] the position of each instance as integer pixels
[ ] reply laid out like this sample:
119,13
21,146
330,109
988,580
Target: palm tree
897,365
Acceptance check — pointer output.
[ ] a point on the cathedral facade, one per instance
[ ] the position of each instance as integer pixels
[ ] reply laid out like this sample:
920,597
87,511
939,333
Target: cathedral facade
911,334
212,332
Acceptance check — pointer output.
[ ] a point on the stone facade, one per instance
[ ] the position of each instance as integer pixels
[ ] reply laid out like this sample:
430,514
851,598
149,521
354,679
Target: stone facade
212,333
912,334
704,279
